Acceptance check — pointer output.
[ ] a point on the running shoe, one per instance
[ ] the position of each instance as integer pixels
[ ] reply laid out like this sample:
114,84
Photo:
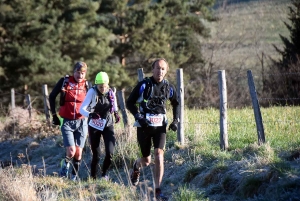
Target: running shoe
74,177
64,171
135,175
105,177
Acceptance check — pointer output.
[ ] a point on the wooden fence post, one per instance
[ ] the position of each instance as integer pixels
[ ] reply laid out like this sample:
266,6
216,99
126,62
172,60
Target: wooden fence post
12,93
180,93
140,74
46,104
27,96
13,106
122,107
256,108
223,110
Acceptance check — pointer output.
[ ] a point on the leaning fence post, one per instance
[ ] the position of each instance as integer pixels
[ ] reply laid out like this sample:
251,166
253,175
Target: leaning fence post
13,106
12,94
256,108
122,107
180,93
46,104
27,96
140,74
223,110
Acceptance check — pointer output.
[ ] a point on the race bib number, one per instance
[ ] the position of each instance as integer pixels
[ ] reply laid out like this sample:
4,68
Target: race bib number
98,124
155,119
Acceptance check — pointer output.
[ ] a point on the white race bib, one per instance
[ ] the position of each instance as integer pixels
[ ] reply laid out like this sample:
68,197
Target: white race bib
99,124
155,119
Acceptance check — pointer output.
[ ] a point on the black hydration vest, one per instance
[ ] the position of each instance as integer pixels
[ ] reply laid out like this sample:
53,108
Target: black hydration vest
155,97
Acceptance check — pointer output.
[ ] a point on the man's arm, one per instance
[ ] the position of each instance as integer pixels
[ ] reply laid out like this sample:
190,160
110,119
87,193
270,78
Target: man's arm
175,106
132,99
52,96
174,102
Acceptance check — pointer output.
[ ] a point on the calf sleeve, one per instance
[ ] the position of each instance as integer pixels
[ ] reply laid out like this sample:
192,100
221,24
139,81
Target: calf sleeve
76,164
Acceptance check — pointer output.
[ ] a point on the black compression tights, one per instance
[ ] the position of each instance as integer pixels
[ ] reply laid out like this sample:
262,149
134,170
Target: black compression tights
109,143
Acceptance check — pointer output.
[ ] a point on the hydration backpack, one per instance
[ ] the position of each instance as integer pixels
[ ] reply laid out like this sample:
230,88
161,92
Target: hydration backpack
63,89
111,98
154,104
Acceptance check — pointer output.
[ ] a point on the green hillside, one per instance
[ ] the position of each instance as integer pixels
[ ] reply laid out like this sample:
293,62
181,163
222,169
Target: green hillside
244,32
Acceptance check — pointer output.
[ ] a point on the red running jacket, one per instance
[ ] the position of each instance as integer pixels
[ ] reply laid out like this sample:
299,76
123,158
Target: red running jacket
75,94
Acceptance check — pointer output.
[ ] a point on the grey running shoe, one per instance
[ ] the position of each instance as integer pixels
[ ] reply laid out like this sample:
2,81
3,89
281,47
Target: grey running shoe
74,177
135,175
105,177
64,171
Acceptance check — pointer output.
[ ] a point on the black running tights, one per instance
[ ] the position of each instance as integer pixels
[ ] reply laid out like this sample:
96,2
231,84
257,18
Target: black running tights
109,143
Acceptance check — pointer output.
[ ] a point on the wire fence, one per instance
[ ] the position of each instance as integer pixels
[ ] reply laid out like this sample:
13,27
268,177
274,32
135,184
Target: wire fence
238,95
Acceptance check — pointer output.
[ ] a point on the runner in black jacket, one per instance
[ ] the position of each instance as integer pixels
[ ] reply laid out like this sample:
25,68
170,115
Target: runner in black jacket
151,120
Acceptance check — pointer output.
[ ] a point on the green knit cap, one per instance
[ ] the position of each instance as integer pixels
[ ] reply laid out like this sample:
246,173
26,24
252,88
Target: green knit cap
102,78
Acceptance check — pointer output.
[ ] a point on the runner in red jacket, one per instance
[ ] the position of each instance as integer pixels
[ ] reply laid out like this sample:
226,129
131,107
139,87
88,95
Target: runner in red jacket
75,93
74,127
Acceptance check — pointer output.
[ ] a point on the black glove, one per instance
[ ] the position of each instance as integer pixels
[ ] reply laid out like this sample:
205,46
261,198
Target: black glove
94,115
117,117
55,120
173,126
142,120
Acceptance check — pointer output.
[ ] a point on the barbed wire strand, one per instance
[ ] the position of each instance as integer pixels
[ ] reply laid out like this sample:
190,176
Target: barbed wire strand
245,122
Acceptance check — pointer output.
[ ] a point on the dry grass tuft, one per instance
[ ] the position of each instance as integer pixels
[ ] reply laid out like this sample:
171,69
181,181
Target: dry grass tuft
17,185
214,175
17,125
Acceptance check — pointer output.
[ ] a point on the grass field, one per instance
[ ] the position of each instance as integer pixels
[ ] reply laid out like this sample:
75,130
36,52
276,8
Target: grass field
197,170
280,123
244,31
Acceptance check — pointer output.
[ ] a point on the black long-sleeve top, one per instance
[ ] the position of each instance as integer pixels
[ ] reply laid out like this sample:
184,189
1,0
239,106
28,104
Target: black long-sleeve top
136,96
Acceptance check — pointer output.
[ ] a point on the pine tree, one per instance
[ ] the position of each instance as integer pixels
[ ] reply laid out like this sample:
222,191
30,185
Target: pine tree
290,53
27,56
42,39
84,38
149,29
287,87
